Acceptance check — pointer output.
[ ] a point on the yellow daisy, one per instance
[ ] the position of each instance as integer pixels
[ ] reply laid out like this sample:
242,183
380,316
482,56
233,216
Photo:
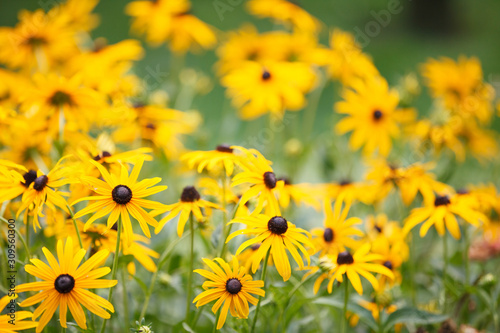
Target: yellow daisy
42,192
65,285
337,232
442,214
276,235
233,287
222,156
258,172
14,320
354,265
121,196
190,202
372,115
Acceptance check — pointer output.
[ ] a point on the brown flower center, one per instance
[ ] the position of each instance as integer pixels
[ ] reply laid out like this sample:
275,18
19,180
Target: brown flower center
29,177
377,115
224,149
270,180
441,201
328,235
277,225
190,194
345,258
40,182
64,283
233,286
122,194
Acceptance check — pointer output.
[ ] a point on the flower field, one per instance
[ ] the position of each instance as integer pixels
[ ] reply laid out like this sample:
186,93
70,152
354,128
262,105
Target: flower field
268,177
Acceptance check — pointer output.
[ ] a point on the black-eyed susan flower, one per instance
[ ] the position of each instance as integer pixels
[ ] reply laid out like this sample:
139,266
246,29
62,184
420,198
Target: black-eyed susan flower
460,84
393,253
273,88
258,173
276,235
64,285
43,192
441,213
372,115
121,196
349,191
14,180
190,203
221,157
9,324
354,265
325,265
231,287
338,230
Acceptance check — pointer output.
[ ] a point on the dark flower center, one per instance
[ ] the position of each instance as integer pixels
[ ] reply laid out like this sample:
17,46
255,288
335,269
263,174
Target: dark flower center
328,235
441,200
190,194
266,75
345,258
103,155
379,229
64,283
29,177
121,194
277,225
151,126
462,191
388,264
270,180
36,41
60,98
377,115
256,246
345,182
233,286
224,148
40,182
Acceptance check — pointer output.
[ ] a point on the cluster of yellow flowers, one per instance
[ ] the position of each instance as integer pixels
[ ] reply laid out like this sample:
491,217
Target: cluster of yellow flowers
76,125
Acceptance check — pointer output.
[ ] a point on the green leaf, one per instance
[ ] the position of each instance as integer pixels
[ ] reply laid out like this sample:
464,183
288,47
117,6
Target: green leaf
414,316
187,328
364,315
141,284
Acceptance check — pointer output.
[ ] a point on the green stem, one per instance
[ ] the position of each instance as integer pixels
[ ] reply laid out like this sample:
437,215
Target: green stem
346,300
214,329
412,265
310,112
25,244
115,266
161,261
75,225
224,246
199,311
289,297
263,278
190,272
224,213
466,257
125,296
445,269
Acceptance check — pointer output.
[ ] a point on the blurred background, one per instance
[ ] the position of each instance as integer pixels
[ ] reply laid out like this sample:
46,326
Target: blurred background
398,44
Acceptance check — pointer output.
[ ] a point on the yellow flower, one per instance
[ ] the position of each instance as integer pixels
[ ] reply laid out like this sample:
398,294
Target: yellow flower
248,256
65,285
442,214
410,180
326,263
360,263
285,12
20,324
275,87
373,115
38,40
393,255
460,84
162,20
221,157
349,191
52,95
229,286
42,191
121,196
14,180
189,203
337,232
276,235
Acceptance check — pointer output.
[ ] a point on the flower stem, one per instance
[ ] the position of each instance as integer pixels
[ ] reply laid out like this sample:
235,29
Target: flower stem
346,300
216,321
75,225
224,213
224,243
125,296
25,244
161,261
263,278
115,266
466,257
190,272
445,269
